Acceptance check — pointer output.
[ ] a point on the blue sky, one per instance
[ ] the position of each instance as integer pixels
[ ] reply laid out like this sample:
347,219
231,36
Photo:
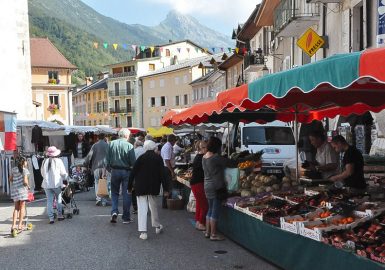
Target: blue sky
220,15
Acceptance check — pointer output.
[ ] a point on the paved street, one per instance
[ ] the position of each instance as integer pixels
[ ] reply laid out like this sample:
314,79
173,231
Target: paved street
90,241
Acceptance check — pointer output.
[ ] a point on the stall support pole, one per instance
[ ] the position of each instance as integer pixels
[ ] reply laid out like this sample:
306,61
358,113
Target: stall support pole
296,144
228,139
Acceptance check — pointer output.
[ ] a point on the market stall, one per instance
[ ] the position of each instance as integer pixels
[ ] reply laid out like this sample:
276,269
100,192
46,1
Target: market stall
279,219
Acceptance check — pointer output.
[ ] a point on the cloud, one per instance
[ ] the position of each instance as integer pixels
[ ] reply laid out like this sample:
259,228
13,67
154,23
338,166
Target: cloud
228,11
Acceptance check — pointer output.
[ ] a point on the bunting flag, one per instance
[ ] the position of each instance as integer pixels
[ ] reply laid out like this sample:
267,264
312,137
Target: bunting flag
205,50
105,45
115,45
197,50
8,131
236,50
222,50
230,50
96,45
134,47
152,49
161,49
244,50
213,49
188,50
124,46
178,49
142,48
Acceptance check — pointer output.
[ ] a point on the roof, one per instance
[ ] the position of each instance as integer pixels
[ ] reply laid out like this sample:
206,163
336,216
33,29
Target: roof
265,16
181,41
182,65
96,85
206,77
249,29
45,54
132,61
231,61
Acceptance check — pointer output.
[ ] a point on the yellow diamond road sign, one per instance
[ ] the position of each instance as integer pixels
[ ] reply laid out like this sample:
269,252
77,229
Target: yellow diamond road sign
310,42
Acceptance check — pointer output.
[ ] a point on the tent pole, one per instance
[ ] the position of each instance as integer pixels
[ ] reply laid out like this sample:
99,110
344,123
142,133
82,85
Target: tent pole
228,139
296,144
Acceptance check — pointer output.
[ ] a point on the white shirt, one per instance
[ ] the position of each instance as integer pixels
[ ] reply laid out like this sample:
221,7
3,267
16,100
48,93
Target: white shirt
167,153
326,155
138,152
55,176
177,149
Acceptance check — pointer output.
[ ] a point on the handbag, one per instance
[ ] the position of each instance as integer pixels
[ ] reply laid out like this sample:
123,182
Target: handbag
31,197
102,188
222,193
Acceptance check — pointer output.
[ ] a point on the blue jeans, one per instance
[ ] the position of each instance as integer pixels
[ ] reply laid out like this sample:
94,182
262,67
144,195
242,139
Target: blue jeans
50,193
97,175
214,207
120,178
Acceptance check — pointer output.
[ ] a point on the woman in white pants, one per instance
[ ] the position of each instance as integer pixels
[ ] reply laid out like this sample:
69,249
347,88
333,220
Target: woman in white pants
146,178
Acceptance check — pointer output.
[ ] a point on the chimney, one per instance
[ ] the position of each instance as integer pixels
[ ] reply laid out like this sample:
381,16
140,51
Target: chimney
89,81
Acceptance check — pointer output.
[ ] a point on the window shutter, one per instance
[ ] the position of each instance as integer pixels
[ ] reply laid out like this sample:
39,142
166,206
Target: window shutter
165,101
149,102
157,101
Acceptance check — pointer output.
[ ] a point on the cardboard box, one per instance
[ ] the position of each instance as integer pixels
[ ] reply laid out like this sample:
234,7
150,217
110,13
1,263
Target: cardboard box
292,227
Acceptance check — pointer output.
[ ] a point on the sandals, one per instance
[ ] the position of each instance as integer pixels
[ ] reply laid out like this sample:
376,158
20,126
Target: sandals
200,227
215,237
207,235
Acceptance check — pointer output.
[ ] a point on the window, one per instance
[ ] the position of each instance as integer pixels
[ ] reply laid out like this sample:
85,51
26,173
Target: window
185,99
151,67
99,107
163,101
128,88
201,96
168,52
128,105
177,101
99,95
185,79
152,84
117,89
53,75
176,80
94,122
88,96
116,121
90,123
54,99
117,106
94,95
104,106
100,122
268,136
152,102
161,82
129,121
105,94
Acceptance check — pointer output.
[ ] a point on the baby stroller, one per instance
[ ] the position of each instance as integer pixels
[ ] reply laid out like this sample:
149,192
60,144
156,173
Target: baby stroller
68,201
79,177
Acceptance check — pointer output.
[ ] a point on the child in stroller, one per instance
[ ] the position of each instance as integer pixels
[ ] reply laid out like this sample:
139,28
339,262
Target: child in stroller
79,177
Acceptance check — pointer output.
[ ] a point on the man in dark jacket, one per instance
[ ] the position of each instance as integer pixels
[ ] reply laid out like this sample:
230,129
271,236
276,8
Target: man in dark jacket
146,177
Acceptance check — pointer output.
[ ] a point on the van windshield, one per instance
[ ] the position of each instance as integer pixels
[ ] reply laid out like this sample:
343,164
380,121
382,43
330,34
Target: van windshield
268,136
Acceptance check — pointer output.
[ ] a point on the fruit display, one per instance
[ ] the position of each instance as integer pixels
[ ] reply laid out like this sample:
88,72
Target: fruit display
247,164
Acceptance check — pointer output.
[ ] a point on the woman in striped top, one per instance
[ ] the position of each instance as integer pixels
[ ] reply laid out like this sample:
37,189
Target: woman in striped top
19,192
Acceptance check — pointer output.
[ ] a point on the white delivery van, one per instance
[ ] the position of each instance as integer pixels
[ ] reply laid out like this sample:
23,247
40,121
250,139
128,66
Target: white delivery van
275,139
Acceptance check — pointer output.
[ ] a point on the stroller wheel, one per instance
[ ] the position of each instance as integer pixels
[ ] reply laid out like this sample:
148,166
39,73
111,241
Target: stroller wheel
69,216
29,226
75,211
14,233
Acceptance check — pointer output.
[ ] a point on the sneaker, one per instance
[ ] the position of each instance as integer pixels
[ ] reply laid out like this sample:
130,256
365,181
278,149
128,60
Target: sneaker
98,203
128,221
51,222
60,218
114,217
159,229
143,236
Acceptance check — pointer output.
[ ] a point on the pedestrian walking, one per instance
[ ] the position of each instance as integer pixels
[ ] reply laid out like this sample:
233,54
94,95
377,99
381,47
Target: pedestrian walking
19,193
97,159
214,184
168,156
146,177
139,150
197,187
120,160
53,172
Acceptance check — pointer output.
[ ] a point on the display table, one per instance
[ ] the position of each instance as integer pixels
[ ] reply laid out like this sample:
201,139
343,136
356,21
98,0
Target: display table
287,250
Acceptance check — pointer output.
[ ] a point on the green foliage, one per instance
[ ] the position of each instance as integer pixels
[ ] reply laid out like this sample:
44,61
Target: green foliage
77,46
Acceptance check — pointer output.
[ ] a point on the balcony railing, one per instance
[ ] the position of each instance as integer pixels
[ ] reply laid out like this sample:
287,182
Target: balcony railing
254,59
124,74
121,92
122,110
291,10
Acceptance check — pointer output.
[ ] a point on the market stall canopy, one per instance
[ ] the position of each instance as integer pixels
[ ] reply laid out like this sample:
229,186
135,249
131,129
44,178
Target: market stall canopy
44,125
355,81
79,129
156,133
135,130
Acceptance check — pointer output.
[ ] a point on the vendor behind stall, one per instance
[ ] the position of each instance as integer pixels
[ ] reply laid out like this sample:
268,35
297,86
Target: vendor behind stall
352,162
326,158
81,147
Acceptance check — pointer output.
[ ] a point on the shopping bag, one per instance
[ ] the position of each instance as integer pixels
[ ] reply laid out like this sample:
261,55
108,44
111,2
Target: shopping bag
232,179
102,188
